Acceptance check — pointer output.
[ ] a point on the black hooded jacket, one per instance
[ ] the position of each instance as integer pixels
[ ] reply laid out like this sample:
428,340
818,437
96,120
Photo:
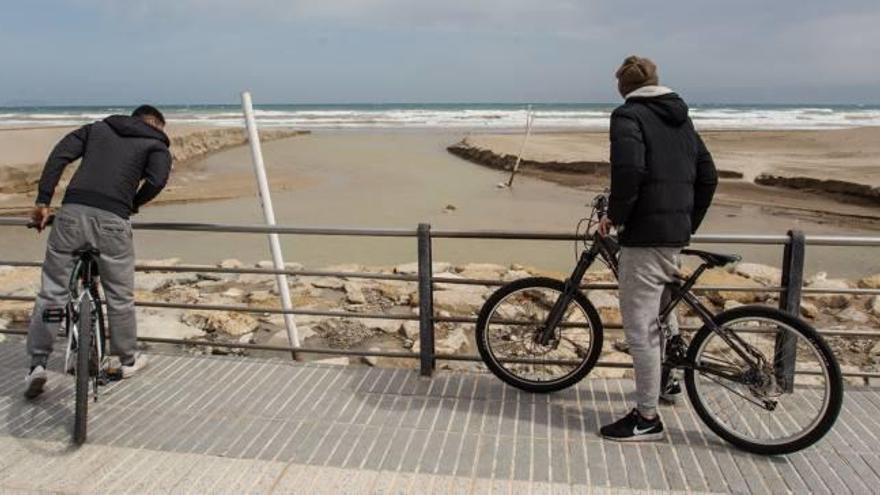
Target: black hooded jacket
117,154
662,176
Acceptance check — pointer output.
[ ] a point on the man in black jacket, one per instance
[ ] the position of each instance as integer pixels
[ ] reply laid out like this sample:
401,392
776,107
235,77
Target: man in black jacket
125,163
662,182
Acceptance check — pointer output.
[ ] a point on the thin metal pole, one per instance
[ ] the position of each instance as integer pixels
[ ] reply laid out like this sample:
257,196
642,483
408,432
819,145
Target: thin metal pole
426,302
522,146
269,214
790,301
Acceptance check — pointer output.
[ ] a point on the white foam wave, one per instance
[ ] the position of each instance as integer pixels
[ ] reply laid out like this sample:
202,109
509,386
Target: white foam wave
479,117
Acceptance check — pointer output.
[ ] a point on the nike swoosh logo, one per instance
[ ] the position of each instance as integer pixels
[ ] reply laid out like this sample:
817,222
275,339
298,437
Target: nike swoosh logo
637,431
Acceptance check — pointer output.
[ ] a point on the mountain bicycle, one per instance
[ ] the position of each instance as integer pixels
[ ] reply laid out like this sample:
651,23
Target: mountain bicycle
84,326
759,378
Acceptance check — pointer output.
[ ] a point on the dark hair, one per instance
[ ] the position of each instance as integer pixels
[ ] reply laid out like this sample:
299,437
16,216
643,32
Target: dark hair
148,110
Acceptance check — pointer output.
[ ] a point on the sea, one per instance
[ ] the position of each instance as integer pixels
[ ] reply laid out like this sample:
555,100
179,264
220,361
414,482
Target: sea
475,116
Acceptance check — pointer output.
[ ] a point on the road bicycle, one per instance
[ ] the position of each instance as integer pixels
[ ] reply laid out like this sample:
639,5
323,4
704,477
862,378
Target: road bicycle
759,378
84,326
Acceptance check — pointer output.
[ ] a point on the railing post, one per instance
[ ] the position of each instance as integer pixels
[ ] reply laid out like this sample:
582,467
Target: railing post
790,302
426,301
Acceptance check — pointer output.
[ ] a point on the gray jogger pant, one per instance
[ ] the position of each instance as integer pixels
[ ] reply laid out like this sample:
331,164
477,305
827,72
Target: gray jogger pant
74,226
644,275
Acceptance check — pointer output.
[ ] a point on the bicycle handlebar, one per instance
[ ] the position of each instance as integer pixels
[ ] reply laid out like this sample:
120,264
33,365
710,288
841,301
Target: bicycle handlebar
34,225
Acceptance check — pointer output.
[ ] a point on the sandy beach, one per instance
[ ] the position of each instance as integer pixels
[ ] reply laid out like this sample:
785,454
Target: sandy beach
399,179
834,173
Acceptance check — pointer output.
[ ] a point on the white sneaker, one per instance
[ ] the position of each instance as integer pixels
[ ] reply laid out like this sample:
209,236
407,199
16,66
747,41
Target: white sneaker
140,362
34,382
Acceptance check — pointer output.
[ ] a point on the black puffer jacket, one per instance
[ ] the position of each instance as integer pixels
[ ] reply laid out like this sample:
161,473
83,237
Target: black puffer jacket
117,154
662,175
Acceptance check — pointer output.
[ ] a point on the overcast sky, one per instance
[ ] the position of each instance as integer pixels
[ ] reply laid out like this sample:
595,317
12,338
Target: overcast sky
337,51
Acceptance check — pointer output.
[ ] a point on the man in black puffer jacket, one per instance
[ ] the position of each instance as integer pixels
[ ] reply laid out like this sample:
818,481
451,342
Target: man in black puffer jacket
662,182
125,164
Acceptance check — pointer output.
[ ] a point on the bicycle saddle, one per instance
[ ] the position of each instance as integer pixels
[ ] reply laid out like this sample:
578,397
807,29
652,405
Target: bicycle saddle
87,248
713,259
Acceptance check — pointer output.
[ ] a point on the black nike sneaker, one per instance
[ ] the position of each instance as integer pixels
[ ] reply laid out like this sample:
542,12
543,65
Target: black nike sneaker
633,428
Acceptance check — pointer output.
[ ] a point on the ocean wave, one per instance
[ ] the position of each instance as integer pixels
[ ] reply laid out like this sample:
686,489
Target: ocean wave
479,116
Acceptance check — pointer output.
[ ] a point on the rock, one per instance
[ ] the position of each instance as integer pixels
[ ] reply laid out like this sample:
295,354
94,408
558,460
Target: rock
620,345
408,343
482,271
262,298
852,315
607,304
152,282
767,275
719,277
397,292
728,305
874,306
231,263
449,209
227,322
413,268
872,282
16,311
354,293
343,333
453,342
371,360
233,293
515,275
410,330
458,302
809,310
337,361
833,301
165,324
327,283
182,294
386,326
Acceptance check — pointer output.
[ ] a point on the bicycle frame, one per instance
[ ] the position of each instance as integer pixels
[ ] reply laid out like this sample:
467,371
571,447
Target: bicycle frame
608,249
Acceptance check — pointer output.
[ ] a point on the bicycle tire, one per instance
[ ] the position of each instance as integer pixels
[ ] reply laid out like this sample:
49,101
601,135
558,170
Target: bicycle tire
83,355
482,336
829,363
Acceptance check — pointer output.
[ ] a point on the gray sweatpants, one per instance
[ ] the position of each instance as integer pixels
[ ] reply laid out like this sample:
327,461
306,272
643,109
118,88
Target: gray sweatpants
644,275
74,226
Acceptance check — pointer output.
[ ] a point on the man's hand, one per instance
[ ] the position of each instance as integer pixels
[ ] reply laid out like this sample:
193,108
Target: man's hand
605,226
40,217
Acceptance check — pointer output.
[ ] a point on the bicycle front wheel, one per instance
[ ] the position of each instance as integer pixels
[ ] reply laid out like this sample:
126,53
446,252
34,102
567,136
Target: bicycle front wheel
784,397
83,362
514,316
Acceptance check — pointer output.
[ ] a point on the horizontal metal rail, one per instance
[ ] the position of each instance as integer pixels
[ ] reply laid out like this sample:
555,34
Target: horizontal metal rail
817,240
392,316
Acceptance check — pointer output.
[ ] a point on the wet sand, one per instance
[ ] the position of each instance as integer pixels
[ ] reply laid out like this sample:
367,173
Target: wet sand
398,179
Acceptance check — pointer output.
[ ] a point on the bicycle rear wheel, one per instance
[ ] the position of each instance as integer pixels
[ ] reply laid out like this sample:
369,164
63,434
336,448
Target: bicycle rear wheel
82,375
761,409
511,319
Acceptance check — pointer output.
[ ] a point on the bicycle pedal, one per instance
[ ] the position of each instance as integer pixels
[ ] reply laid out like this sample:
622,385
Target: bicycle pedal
53,315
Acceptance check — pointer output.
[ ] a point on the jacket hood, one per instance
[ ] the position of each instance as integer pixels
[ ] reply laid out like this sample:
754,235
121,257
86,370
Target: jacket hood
663,102
127,126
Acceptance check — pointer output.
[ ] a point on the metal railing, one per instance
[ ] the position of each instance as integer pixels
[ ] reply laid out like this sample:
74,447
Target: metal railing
790,290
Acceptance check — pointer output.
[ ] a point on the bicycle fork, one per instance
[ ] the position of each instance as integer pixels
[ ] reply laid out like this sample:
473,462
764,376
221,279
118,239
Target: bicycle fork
572,285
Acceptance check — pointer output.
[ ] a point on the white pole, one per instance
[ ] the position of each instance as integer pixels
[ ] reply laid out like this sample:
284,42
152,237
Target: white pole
522,146
269,214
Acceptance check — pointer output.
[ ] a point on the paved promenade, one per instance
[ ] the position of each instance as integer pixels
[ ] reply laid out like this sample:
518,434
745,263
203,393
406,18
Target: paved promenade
223,424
